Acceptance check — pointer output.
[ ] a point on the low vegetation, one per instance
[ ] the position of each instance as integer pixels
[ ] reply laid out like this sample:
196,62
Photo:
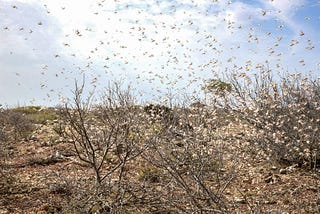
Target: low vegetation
252,146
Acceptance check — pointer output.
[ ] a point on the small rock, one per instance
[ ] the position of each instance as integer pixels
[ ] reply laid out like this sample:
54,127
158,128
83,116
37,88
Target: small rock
274,168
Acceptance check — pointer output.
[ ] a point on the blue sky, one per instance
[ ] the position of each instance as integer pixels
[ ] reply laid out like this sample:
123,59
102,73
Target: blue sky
157,47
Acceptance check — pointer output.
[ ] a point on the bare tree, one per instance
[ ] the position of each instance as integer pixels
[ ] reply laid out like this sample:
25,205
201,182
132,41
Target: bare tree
105,136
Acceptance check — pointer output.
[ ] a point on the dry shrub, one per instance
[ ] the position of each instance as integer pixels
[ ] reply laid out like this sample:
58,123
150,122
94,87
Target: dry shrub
159,113
107,138
194,173
148,159
14,125
284,113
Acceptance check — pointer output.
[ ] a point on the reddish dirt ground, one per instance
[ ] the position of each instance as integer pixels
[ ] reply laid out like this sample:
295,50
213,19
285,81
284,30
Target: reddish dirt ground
37,175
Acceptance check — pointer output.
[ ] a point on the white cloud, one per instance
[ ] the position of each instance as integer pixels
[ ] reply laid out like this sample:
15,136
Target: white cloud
285,7
129,38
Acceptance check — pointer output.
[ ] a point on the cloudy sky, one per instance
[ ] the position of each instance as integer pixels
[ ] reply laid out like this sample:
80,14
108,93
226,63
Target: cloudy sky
167,46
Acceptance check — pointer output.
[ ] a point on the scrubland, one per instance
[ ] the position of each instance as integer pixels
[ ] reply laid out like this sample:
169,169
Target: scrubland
251,146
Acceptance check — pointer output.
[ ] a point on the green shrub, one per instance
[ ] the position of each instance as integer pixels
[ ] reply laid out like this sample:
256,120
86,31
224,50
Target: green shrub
37,114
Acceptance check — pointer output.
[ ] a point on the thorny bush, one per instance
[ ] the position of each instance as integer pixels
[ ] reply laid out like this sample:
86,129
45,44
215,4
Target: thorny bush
284,113
191,161
149,158
106,137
